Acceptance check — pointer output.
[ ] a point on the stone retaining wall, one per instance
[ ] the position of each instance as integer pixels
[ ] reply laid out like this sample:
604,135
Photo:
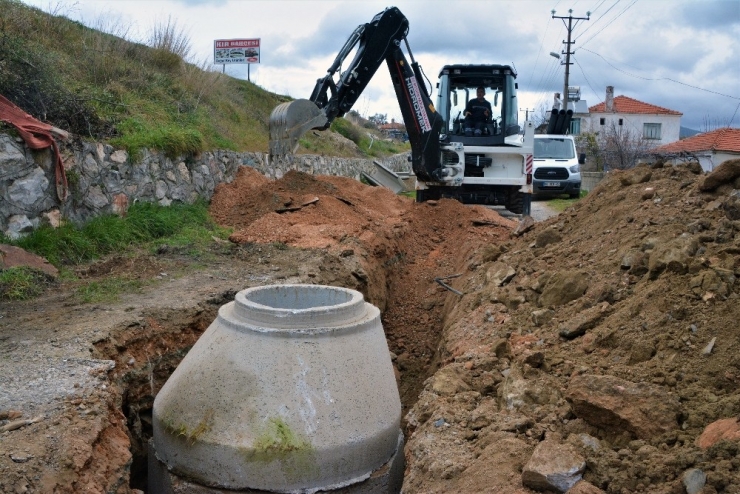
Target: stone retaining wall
106,180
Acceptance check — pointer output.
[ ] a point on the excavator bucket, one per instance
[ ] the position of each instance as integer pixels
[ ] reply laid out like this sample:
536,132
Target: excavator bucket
289,121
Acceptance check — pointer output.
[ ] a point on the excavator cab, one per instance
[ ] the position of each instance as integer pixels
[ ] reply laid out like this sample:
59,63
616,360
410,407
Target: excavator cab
460,97
457,86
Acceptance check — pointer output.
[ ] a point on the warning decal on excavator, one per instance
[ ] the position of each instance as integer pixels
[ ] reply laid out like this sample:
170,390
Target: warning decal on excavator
418,104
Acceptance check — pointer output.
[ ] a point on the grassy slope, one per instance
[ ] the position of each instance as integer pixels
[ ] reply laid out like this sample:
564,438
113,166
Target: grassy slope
106,88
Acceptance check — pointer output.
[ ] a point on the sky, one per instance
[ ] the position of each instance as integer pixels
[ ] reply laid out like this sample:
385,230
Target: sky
683,55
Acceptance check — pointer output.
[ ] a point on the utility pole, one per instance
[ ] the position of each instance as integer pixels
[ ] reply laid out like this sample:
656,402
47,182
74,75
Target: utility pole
569,26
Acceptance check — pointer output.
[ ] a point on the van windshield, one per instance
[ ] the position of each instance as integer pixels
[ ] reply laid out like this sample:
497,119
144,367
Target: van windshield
554,148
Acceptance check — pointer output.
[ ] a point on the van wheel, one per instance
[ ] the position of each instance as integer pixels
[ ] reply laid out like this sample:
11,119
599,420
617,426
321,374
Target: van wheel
515,201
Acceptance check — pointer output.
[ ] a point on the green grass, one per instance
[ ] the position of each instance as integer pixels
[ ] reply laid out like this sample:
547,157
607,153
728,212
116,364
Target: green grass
561,204
376,147
182,225
107,290
186,229
110,88
21,283
380,147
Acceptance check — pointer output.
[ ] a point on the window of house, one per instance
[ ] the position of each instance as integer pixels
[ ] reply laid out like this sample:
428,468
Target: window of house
575,126
602,121
651,131
620,121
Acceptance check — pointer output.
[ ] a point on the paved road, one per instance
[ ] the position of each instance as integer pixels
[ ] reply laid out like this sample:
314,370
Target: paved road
540,211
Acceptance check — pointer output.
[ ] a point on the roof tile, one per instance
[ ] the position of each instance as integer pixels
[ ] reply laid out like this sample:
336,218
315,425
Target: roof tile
624,104
726,139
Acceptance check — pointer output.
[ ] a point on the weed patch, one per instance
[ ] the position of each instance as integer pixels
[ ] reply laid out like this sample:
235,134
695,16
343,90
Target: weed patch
187,224
107,290
21,283
561,204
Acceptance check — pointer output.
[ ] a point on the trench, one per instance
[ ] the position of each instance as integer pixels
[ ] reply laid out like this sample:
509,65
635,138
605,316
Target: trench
147,353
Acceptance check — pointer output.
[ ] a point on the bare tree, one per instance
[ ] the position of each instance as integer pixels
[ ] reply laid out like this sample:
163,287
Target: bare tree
709,124
541,115
615,147
623,146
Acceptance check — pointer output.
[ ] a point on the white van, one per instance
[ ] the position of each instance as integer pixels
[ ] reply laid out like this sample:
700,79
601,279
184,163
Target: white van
556,166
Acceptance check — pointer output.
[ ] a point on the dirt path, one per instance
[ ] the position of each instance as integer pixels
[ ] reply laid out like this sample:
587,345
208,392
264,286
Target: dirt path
628,288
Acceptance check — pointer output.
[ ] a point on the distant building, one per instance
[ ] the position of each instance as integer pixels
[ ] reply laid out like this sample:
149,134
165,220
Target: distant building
652,122
709,148
393,130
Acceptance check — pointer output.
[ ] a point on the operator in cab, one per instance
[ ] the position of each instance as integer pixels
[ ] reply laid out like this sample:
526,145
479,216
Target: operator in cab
477,113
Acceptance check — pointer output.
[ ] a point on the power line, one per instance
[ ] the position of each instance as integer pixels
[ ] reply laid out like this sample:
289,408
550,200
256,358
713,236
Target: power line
542,42
547,82
733,115
596,21
660,78
611,21
586,78
550,72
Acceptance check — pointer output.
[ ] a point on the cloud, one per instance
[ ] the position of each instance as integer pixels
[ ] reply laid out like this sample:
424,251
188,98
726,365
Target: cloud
214,3
711,14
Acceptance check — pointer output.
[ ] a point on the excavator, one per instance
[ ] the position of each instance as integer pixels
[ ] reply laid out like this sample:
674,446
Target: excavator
493,168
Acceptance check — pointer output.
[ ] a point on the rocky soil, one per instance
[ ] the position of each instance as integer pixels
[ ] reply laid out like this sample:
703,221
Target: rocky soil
597,352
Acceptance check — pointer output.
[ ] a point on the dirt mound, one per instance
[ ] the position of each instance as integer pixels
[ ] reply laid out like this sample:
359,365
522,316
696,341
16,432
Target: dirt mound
636,284
393,247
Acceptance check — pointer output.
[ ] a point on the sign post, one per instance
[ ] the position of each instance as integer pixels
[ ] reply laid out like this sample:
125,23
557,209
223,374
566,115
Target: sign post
236,51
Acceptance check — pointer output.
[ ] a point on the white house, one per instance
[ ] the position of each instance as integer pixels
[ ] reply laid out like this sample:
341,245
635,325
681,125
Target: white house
709,148
652,122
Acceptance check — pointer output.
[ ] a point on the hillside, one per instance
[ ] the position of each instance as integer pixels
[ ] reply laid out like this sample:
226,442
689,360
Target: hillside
105,87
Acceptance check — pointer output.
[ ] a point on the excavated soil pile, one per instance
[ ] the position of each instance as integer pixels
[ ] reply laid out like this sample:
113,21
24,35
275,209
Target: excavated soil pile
602,345
393,247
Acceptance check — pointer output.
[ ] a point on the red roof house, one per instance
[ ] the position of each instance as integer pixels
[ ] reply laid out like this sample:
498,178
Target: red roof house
651,122
709,148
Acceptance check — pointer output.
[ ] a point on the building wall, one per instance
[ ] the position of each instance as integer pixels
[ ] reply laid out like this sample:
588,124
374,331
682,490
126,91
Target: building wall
707,159
670,124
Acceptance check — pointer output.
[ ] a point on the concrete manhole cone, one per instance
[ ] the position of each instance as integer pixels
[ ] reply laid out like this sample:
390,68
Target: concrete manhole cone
291,389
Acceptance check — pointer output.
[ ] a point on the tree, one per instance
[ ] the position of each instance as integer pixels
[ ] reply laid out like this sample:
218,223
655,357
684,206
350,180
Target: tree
541,115
379,119
616,147
588,142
